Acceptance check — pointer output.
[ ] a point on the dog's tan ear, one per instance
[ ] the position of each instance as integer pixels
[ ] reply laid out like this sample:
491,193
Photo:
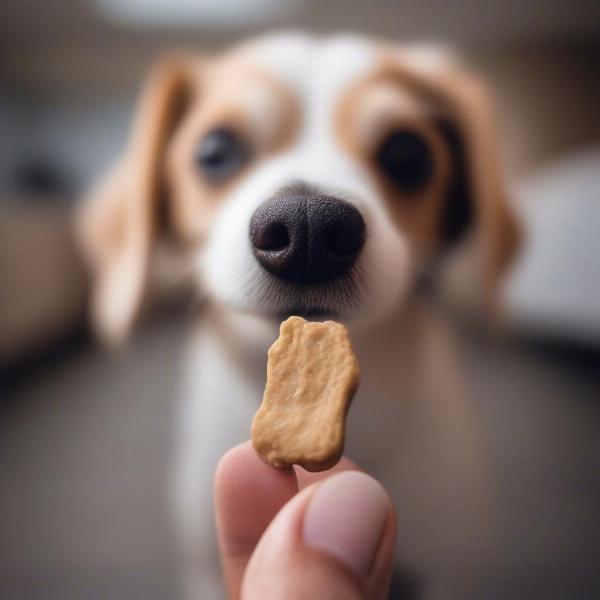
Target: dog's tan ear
118,223
496,230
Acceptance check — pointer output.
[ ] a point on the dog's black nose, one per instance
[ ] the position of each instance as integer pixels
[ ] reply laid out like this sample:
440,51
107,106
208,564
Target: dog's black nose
306,239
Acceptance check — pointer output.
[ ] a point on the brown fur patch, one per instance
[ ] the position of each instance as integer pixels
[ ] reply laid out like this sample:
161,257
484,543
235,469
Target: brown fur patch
417,215
220,101
469,104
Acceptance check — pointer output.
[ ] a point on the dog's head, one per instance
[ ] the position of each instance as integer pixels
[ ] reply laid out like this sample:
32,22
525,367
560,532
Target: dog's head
306,176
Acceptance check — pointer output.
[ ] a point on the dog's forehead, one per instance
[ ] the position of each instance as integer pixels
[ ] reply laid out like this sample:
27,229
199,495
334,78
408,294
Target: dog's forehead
309,65
319,70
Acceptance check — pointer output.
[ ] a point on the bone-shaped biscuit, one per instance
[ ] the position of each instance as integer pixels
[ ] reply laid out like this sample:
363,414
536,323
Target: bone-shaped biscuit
312,374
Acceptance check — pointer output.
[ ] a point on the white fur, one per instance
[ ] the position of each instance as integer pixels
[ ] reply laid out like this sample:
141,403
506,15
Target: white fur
410,425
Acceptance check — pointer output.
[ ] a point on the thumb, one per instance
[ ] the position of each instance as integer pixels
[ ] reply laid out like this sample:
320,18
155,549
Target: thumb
334,539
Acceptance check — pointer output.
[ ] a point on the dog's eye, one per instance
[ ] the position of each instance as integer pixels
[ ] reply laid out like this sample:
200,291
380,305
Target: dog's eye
220,154
405,158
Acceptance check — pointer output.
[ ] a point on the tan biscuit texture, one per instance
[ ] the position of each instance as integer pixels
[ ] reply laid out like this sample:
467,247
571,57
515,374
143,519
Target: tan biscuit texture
312,374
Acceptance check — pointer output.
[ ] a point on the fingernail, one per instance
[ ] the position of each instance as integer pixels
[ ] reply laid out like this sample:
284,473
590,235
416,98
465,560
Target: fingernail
345,518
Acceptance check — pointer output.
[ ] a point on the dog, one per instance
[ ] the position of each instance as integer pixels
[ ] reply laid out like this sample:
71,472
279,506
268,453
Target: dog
332,177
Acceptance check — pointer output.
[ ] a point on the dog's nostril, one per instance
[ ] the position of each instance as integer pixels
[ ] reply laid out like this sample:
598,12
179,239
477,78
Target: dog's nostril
273,237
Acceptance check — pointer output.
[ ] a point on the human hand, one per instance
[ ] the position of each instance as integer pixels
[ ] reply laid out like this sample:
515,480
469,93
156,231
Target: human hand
293,534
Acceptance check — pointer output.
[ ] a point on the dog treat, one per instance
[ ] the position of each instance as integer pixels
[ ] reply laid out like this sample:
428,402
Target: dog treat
312,374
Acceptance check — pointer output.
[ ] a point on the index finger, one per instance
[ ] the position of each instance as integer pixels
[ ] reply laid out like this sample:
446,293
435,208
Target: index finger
248,494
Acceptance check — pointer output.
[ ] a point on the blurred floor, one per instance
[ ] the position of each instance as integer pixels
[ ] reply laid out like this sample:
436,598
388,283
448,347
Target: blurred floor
84,452
93,523
542,411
